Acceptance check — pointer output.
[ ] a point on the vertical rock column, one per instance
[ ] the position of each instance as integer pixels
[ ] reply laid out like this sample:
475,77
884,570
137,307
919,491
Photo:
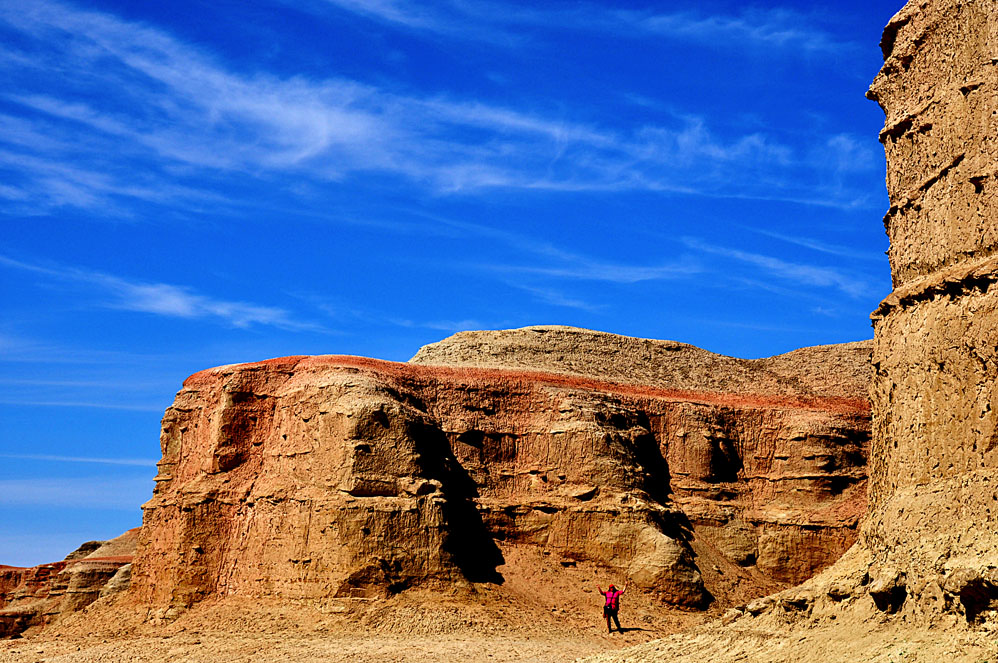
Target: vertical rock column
933,523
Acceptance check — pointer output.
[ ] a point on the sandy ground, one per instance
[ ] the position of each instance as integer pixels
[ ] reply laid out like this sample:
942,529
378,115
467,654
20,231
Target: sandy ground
544,611
414,630
402,632
283,649
407,633
867,641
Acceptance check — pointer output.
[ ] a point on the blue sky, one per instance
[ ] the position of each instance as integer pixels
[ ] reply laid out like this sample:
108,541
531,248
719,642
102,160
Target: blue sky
185,185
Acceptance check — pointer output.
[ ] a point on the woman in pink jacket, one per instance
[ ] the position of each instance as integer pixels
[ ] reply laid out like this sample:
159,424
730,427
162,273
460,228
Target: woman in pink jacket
612,605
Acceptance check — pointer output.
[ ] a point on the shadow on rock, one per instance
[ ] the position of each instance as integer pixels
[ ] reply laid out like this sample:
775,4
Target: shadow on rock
468,540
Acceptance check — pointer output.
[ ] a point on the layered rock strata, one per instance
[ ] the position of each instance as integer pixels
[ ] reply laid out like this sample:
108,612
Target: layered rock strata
838,371
934,469
40,595
776,489
309,477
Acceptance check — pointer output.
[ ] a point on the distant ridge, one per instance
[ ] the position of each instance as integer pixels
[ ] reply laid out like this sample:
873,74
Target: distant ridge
840,370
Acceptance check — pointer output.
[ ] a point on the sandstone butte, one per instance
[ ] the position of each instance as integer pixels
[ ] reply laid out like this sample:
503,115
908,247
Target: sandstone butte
306,477
697,477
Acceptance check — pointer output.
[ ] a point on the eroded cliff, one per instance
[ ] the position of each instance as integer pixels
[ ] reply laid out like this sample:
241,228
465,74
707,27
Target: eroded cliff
310,477
40,595
924,575
775,484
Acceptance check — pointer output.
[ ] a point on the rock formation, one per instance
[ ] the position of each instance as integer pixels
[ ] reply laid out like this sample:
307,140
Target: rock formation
770,486
314,476
40,595
838,371
933,524
310,477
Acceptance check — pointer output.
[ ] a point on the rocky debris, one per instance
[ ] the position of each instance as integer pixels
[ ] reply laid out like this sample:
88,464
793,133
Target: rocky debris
760,605
888,589
41,595
314,477
977,592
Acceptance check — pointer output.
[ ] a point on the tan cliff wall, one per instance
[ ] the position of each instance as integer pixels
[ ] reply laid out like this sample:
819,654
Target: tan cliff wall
934,463
310,477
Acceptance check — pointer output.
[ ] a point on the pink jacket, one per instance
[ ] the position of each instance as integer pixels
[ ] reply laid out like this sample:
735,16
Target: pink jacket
612,597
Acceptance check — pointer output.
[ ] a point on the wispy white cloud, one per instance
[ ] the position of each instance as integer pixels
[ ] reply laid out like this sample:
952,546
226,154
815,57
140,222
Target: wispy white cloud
800,273
592,270
97,405
451,326
141,462
340,310
48,165
749,29
408,14
523,243
559,263
752,28
76,493
18,348
165,299
754,326
88,384
822,247
555,297
150,100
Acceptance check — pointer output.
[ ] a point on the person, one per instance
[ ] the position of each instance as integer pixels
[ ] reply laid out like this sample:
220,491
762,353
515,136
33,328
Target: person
612,605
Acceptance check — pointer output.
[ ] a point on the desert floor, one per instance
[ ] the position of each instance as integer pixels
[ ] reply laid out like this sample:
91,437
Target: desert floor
542,612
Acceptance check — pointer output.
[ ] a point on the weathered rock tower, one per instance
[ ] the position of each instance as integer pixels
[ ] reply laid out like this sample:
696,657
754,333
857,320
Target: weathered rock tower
933,521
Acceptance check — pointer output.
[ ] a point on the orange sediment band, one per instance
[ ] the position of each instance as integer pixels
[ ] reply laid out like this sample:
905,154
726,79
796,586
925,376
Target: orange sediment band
471,375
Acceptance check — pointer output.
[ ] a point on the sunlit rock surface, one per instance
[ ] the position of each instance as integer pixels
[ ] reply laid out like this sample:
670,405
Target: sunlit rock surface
309,477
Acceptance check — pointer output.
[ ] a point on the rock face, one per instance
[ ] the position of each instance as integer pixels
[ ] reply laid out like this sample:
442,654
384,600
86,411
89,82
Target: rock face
309,477
771,487
934,484
40,595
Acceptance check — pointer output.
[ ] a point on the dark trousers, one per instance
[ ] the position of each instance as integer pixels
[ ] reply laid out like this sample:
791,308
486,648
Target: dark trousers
611,613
